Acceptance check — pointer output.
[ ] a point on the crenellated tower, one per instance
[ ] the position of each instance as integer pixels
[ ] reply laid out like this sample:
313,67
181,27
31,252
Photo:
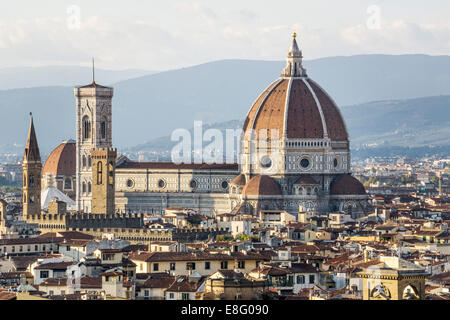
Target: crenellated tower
32,167
103,180
93,130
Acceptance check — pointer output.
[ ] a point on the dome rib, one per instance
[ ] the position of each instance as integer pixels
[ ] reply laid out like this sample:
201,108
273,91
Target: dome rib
62,160
319,107
251,116
337,129
286,107
303,116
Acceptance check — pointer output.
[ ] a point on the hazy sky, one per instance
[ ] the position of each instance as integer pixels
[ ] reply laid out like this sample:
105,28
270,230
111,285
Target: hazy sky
160,35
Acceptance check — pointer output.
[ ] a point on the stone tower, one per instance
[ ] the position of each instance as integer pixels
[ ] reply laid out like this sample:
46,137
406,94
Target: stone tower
93,130
103,180
31,175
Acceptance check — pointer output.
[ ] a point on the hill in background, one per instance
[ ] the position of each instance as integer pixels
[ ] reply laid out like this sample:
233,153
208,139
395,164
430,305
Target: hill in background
154,105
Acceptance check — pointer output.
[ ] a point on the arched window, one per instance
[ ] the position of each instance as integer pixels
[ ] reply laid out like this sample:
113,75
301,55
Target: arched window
84,187
83,161
111,172
67,184
89,162
99,172
103,129
89,187
300,279
86,128
31,181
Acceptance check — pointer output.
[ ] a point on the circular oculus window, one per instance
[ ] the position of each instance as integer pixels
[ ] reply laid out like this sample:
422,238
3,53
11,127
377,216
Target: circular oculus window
224,184
304,163
266,162
130,183
161,183
193,184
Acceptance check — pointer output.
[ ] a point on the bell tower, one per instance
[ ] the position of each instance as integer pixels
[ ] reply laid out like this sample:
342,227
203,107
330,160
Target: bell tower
103,180
31,166
93,130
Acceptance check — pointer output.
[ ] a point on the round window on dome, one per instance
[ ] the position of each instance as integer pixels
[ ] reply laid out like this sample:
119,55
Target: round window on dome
224,184
161,183
266,162
304,163
130,183
193,184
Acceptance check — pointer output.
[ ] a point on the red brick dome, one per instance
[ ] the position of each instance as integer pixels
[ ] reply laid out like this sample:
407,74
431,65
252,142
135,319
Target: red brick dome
345,184
61,160
298,108
239,180
261,185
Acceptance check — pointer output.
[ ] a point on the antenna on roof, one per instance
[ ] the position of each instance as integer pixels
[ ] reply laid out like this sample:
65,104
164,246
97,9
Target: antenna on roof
93,70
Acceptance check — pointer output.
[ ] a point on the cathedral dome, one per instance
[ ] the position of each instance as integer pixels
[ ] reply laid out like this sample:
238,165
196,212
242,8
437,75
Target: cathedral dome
239,180
261,185
345,184
296,106
61,160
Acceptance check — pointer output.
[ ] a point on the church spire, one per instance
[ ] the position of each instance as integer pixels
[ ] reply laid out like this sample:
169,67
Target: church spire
32,148
294,67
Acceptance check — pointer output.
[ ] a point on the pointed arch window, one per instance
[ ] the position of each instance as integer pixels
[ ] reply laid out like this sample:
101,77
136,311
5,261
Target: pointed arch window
103,129
89,161
84,187
99,172
67,184
111,173
31,181
89,187
84,161
86,128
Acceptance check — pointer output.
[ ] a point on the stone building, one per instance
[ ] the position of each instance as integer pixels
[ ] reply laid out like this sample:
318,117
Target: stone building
294,156
59,169
295,153
393,279
31,167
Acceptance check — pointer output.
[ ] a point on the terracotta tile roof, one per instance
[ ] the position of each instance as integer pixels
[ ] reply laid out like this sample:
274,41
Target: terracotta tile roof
25,241
170,165
54,282
182,284
5,295
333,118
345,184
239,180
54,266
87,282
62,160
303,119
159,281
95,85
261,185
199,256
305,179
